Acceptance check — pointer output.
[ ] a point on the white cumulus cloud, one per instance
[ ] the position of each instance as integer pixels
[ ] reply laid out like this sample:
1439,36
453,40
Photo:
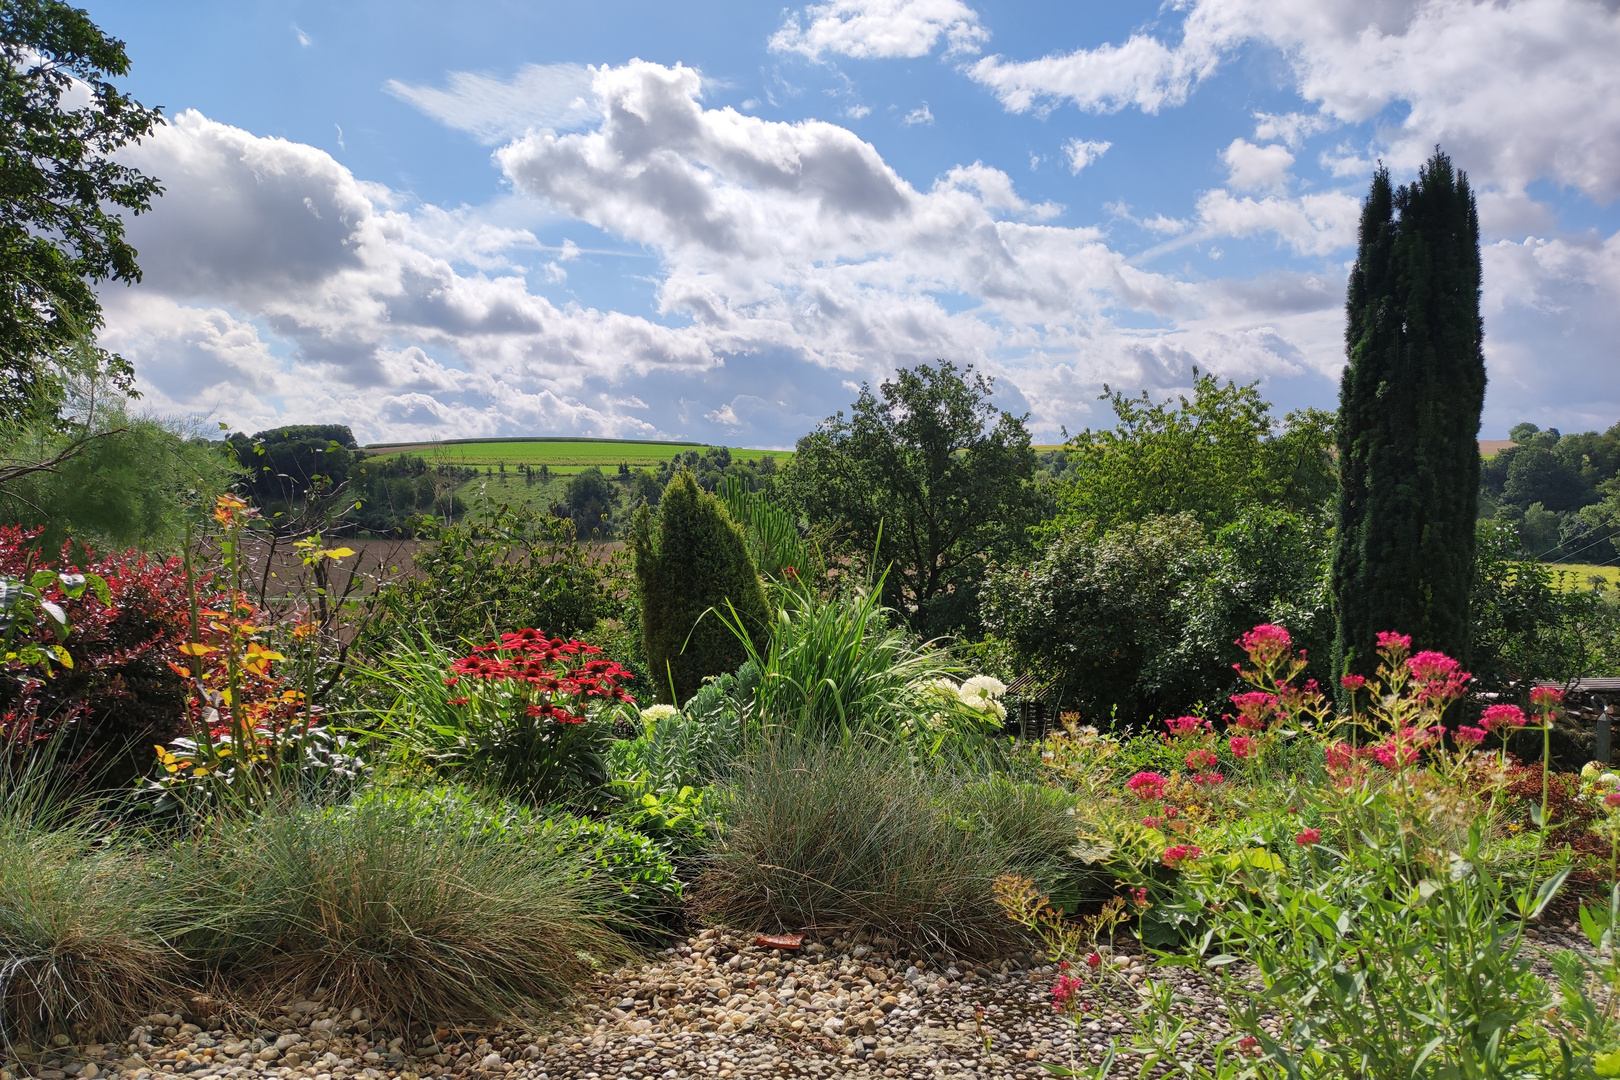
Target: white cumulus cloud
870,29
1255,168
1082,152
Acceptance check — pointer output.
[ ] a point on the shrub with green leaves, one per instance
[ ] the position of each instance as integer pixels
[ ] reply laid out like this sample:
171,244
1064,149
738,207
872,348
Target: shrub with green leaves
691,566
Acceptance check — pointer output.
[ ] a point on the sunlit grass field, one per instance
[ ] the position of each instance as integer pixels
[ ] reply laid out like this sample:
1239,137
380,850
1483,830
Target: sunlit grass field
563,457
1580,575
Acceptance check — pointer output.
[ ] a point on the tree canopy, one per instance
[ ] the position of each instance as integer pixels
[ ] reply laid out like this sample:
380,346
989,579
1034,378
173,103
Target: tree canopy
1210,456
60,187
928,475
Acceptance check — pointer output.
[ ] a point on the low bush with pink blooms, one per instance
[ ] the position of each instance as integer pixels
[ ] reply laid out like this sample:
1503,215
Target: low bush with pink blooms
1370,871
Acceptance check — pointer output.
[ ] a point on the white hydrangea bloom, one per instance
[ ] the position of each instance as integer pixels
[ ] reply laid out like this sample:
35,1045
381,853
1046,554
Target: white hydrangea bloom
983,686
944,686
654,713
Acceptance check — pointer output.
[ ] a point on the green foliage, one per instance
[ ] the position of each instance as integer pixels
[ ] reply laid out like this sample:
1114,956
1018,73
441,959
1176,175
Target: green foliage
1138,622
773,536
1553,487
642,893
694,566
78,463
499,568
1409,410
419,918
848,837
840,664
1212,457
392,494
928,478
589,499
1528,625
61,186
479,733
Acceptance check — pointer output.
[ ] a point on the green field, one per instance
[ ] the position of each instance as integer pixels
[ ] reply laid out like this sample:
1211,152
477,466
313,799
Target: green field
1579,575
562,457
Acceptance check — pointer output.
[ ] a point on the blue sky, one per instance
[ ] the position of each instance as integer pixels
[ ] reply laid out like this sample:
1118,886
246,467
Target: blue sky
715,221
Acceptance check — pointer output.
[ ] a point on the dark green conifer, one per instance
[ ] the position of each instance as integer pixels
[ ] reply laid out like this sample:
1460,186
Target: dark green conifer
695,558
1409,407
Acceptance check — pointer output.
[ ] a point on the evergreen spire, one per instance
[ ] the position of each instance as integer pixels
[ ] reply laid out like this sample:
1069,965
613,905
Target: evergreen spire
1409,407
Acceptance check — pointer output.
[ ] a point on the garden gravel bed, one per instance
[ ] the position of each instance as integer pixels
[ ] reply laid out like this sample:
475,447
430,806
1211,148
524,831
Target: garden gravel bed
716,1006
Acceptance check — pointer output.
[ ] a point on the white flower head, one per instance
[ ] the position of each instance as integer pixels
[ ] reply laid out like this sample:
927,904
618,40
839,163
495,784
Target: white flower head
981,692
654,713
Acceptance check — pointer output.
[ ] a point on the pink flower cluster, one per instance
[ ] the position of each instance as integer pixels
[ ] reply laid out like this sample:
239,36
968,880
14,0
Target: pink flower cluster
1307,837
1148,786
1502,717
1188,727
1201,760
1266,644
1438,677
1546,697
1254,710
1393,642
1177,854
1242,746
1066,994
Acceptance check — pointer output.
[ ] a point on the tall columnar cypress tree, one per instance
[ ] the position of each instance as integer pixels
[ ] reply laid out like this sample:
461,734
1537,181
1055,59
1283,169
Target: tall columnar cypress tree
1409,407
695,558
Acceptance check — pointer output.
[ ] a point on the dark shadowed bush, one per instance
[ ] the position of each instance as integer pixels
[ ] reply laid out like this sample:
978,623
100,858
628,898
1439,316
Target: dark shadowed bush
843,838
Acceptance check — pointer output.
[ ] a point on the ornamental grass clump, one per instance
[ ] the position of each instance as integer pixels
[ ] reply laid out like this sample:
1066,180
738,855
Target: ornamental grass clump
82,922
843,838
419,920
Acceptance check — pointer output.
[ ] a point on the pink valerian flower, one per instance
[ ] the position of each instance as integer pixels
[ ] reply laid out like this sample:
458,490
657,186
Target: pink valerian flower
1139,897
1502,717
1469,737
1404,746
1546,697
1066,994
1249,1046
1307,837
1147,786
1241,746
1389,641
1153,822
1340,756
1174,856
1094,961
458,701
1612,800
1266,644
1187,727
1209,779
1255,709
1200,760
1438,677
1352,683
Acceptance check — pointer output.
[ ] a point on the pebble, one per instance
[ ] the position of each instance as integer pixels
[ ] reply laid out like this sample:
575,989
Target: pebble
716,1006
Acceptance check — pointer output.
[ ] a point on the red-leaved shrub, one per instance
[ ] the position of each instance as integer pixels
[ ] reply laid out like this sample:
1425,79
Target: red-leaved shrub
121,695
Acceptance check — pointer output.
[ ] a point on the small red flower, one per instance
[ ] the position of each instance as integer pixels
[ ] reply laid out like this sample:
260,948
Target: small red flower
1307,837
1388,641
1174,856
1094,961
1469,737
1255,709
1241,746
1183,727
1139,897
1612,799
1352,682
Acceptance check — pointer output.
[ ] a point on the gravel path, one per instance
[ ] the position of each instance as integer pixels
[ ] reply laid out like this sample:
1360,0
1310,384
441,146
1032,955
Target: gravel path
716,1006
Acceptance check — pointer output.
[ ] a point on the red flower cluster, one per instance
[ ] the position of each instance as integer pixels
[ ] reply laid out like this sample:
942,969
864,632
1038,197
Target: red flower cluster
1241,746
1546,697
1188,727
1502,717
1393,642
1352,682
1307,837
549,666
1174,856
1200,760
1147,786
1469,737
1066,994
1266,644
1255,710
1437,676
